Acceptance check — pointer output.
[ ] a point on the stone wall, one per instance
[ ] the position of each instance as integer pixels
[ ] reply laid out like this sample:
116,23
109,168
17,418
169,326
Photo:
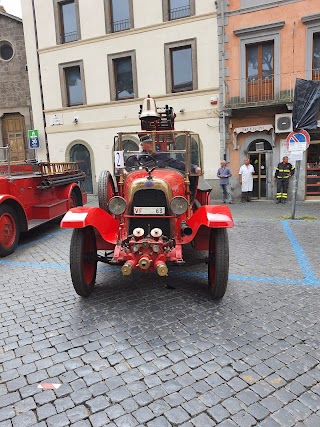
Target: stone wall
14,85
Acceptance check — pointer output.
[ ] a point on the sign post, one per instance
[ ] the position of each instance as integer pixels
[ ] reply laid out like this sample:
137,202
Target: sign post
297,142
33,136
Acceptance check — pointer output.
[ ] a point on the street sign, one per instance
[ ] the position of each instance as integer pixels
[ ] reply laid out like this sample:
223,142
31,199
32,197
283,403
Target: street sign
298,140
33,138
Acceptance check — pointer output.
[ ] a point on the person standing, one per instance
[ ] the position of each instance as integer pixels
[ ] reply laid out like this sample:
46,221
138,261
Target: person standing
246,180
282,175
224,173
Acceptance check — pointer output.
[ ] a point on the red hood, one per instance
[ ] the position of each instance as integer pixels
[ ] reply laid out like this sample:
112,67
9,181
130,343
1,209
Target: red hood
173,178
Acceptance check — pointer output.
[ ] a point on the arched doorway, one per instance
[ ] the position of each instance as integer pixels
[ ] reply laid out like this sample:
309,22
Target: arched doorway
80,153
260,156
14,135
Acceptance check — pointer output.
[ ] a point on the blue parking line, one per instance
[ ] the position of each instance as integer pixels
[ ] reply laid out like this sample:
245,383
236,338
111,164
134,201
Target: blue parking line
310,278
45,237
34,264
309,275
173,273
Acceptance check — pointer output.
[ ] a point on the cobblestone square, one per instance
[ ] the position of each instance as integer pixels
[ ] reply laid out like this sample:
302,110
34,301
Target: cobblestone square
151,351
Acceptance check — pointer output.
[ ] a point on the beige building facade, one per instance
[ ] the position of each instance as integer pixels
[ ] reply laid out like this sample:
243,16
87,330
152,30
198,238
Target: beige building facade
91,63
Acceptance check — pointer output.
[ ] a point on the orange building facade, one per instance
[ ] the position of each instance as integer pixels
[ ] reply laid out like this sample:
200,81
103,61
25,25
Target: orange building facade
265,46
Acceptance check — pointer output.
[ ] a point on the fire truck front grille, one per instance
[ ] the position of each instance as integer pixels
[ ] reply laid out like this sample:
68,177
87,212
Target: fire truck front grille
150,198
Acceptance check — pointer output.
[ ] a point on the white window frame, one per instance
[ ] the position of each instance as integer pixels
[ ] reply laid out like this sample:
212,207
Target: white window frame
112,77
168,65
109,18
63,83
165,10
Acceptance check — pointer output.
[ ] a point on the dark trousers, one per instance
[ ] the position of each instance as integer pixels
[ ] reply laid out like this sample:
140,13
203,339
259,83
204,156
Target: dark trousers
282,188
246,196
225,192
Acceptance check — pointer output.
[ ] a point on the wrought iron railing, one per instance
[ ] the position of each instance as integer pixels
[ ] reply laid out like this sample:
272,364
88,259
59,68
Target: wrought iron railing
70,37
274,89
179,12
121,25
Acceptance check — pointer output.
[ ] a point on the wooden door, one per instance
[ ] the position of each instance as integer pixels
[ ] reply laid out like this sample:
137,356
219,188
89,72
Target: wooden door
13,134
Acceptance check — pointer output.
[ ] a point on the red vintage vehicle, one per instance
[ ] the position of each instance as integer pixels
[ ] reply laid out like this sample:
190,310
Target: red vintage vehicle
32,193
149,208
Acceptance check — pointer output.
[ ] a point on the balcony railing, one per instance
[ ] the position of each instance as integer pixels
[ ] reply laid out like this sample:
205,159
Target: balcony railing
179,12
121,25
70,37
274,89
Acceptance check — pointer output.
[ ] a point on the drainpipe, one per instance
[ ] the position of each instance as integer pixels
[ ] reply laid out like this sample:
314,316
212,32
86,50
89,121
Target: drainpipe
40,79
223,75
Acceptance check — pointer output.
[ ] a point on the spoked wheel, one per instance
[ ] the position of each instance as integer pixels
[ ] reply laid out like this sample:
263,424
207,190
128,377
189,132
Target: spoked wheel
218,265
9,230
106,189
83,260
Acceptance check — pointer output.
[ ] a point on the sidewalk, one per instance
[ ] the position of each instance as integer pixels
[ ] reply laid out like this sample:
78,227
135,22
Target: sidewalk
269,209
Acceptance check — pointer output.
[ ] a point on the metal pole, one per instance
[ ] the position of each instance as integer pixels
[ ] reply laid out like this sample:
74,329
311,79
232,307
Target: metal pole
295,188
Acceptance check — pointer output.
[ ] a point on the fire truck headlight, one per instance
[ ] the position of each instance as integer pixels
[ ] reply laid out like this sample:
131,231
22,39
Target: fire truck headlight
179,205
156,232
117,205
138,232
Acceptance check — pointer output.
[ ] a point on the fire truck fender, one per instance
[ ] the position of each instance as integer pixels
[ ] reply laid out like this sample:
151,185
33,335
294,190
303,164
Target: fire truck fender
67,191
205,218
82,217
14,202
212,217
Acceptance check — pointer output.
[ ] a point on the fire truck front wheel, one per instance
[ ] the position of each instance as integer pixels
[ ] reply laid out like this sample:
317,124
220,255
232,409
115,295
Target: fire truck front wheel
106,190
9,230
218,265
83,260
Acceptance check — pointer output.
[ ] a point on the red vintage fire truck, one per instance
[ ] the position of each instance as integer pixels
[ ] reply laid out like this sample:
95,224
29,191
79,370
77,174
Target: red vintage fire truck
151,206
32,193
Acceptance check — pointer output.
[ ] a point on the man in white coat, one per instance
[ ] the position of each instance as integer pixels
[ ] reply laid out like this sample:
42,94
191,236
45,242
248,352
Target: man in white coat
246,180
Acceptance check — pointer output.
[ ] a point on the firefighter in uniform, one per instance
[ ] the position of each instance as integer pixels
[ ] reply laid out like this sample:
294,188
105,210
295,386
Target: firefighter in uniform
282,175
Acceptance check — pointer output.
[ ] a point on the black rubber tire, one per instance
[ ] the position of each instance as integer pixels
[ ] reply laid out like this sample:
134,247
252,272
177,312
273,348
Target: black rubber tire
106,189
218,265
83,262
74,200
9,230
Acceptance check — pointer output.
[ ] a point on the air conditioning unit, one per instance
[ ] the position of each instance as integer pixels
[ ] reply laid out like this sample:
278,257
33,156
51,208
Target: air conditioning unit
283,123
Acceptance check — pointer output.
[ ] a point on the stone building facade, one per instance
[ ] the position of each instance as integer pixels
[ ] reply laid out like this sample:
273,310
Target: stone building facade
15,105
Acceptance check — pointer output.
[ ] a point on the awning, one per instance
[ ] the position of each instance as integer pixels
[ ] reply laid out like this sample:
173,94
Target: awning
246,129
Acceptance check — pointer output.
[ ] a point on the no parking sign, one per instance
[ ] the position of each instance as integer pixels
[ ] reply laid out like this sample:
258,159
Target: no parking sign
298,140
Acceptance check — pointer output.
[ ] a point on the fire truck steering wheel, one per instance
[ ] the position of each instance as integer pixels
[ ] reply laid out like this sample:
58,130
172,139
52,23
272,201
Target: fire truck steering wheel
132,162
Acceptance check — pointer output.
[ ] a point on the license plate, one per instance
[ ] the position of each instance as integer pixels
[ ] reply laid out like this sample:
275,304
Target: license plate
149,210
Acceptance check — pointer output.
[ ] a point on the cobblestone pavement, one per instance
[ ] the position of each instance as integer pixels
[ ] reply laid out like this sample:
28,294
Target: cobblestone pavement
159,352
